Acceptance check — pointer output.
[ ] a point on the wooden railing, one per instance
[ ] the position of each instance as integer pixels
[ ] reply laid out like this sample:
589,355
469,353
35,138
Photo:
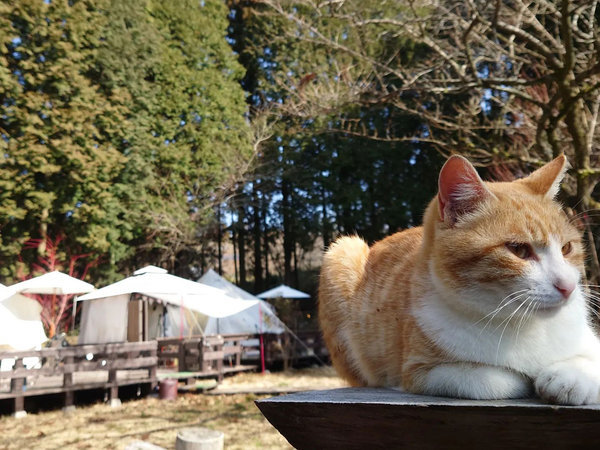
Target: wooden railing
69,369
311,345
211,356
214,356
108,366
304,347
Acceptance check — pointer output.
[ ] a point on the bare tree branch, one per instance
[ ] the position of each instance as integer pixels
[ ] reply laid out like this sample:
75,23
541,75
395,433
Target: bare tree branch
494,79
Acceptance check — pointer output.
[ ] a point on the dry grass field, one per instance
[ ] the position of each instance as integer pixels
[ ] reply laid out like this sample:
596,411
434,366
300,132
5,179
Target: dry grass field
157,421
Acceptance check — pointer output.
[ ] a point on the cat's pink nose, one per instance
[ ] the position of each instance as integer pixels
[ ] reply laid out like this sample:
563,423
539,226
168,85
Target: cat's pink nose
564,287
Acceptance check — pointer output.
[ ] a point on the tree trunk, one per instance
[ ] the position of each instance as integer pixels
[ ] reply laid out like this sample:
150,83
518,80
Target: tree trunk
326,229
242,245
234,245
219,240
258,273
576,121
296,282
288,239
266,254
265,244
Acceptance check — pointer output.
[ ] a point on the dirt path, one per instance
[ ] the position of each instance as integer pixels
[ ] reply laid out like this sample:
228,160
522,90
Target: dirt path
155,421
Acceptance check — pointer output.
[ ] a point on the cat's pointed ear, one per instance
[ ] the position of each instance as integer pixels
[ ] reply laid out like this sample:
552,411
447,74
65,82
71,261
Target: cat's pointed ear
461,189
546,180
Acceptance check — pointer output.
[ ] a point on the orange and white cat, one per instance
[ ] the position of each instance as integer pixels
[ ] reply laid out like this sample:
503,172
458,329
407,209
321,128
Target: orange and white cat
483,301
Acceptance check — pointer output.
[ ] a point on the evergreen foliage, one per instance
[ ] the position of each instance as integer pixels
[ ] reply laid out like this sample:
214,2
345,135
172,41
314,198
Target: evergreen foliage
125,128
316,179
59,162
121,124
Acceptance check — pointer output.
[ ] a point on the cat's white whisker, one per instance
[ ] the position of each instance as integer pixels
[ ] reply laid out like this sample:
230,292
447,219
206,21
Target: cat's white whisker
511,315
523,320
507,320
593,301
510,298
499,308
591,297
594,313
593,304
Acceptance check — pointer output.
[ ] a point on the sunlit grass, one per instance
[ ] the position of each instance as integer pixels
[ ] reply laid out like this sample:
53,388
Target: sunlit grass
158,421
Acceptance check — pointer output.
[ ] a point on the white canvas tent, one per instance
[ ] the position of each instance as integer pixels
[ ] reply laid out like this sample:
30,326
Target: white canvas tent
283,291
150,304
257,319
20,324
53,283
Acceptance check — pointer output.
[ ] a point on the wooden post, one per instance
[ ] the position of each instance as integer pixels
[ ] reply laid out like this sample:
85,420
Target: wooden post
238,354
68,385
181,366
51,360
113,396
199,439
199,361
152,369
16,388
145,305
203,364
262,354
219,348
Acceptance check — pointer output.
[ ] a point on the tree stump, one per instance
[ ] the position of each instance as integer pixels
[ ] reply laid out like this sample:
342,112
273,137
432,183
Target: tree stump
199,439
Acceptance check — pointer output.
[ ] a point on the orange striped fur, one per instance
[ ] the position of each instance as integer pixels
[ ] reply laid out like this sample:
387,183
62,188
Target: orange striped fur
377,305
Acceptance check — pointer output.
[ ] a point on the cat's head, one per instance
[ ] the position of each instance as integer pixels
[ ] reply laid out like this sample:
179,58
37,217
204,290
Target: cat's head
503,245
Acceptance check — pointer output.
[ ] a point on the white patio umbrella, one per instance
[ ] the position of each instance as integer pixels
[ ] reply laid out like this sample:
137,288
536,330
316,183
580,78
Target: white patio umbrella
283,291
152,281
20,324
52,283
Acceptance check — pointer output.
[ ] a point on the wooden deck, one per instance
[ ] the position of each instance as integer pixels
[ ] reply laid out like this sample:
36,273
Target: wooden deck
359,418
108,367
53,384
69,369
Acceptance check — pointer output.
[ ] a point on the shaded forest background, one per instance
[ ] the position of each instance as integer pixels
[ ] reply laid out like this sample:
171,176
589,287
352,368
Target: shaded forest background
174,133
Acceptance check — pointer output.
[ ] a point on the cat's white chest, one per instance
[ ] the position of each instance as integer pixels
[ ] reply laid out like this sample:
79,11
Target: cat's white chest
526,346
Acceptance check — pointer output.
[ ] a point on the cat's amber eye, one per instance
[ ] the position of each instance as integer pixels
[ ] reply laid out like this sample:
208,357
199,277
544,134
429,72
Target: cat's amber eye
567,248
520,250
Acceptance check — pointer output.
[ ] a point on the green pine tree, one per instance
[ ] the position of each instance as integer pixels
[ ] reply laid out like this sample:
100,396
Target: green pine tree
57,166
122,122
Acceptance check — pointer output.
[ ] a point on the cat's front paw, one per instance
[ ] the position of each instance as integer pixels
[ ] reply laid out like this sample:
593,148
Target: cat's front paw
569,384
